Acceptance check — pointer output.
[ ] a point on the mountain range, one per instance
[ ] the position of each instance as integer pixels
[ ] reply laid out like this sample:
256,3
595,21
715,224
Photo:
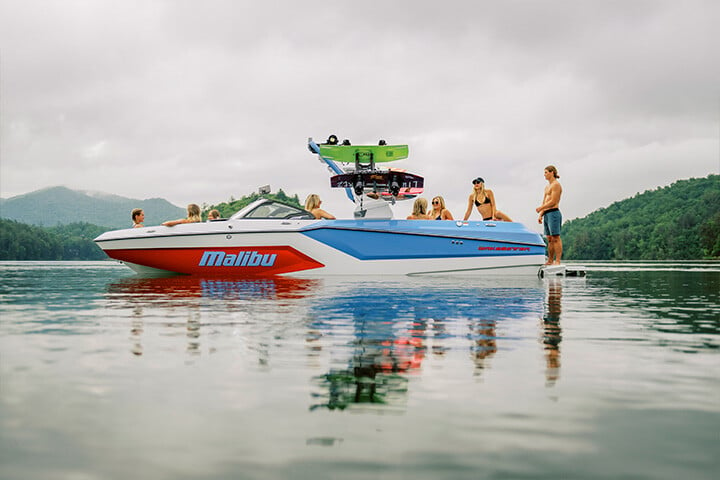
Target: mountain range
54,206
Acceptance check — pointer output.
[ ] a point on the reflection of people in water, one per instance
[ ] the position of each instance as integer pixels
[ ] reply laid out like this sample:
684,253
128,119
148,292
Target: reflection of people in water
136,331
170,293
484,342
439,336
551,331
182,301
382,357
193,332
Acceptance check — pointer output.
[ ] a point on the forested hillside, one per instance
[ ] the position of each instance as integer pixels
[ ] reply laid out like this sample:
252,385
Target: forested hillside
677,222
19,241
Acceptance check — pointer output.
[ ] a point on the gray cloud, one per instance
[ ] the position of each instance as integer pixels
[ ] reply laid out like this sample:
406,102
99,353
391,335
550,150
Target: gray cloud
197,102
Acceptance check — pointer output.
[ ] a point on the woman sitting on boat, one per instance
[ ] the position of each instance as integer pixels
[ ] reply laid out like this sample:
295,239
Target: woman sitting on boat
439,212
484,200
419,210
312,205
193,215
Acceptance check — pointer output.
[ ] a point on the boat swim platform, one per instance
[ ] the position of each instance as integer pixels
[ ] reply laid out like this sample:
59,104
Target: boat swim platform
561,270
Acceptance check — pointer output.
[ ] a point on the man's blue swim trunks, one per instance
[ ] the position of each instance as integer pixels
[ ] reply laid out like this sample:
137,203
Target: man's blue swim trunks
552,220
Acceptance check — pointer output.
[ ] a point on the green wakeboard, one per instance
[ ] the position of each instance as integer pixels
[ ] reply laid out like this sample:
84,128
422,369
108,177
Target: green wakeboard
364,153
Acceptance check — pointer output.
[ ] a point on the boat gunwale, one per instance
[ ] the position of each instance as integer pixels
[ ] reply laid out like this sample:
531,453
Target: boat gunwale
319,227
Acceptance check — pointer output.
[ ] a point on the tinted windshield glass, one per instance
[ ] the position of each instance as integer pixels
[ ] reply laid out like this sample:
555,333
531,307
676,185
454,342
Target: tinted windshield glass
274,210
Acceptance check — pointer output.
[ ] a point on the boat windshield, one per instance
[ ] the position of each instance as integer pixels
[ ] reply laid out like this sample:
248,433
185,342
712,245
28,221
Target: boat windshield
272,209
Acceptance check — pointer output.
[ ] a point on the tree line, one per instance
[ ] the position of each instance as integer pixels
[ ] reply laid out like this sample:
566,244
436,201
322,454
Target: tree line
677,222
19,241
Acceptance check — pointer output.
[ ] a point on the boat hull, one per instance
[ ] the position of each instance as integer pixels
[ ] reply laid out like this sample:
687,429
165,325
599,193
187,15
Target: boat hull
309,248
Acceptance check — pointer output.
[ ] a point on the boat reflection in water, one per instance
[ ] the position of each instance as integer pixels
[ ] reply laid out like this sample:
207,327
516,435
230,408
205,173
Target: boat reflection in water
182,286
380,335
369,337
176,303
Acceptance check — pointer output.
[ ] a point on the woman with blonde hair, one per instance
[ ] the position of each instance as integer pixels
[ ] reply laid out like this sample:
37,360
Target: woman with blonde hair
193,215
419,210
484,200
312,205
439,212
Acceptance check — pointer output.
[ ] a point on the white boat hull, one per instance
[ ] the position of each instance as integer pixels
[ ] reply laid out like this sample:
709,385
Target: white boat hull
311,248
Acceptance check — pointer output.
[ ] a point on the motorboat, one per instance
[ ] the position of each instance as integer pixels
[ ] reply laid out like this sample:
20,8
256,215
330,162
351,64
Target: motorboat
273,238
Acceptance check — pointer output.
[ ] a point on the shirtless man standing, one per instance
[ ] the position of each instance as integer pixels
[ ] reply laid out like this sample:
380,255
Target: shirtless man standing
550,215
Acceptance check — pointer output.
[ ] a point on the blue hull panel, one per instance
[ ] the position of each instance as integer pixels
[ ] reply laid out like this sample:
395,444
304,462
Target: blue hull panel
403,239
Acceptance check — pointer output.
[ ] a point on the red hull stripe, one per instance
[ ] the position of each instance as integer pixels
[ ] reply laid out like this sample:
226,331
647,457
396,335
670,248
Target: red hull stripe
233,261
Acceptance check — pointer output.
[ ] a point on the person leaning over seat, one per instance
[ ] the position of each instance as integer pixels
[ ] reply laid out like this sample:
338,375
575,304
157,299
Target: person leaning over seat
193,215
312,205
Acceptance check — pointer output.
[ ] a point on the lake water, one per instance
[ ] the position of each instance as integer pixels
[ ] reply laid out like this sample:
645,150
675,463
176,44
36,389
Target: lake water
104,375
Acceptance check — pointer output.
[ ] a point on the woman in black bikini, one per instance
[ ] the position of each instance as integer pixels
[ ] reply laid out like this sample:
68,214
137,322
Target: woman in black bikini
484,200
439,212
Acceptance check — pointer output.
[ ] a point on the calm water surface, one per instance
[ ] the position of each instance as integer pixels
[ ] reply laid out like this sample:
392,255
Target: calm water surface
104,375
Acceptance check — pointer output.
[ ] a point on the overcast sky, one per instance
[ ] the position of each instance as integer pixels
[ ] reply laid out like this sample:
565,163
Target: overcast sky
198,101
